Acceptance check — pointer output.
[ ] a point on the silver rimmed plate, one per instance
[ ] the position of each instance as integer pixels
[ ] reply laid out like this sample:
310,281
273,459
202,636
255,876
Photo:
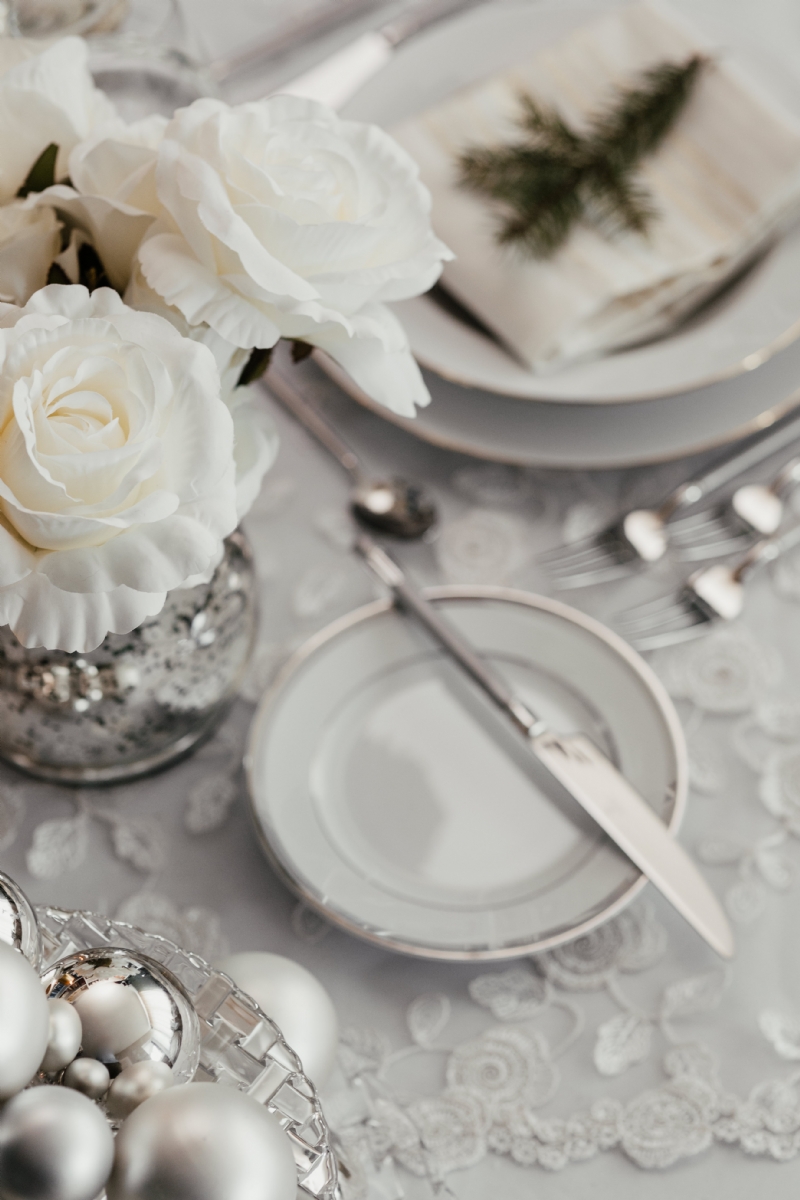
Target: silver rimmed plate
757,317
393,800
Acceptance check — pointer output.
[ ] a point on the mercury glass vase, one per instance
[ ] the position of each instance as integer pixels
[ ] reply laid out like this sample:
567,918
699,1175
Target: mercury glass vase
139,701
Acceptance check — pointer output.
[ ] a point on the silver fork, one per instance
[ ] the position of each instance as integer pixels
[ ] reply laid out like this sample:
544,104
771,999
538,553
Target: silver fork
715,593
754,508
642,536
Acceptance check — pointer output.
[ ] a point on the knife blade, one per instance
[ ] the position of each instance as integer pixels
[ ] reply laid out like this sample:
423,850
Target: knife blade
579,767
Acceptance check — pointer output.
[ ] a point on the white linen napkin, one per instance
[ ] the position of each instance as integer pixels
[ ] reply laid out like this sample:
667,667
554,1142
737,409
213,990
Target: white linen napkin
724,179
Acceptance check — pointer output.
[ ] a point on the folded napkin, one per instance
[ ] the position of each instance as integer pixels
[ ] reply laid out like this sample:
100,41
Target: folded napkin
723,181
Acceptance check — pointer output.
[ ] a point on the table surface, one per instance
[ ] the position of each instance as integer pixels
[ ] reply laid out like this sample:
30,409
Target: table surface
214,891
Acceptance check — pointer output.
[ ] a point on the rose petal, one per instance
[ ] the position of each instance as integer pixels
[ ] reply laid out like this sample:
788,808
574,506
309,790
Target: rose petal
42,615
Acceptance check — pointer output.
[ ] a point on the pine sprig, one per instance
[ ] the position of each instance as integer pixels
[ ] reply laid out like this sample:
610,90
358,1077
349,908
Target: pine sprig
556,177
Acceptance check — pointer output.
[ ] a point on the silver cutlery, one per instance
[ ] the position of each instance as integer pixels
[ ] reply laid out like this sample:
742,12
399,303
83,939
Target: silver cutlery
754,508
715,593
290,35
393,506
578,766
343,73
642,536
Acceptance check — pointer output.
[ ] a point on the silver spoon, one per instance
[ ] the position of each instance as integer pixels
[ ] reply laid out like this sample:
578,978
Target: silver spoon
393,506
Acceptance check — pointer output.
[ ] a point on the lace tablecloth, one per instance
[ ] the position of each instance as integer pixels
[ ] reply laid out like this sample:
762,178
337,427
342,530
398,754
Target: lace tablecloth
631,1050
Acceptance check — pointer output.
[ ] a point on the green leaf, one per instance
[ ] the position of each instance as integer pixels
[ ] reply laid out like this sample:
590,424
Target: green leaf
300,350
91,272
43,172
57,274
255,366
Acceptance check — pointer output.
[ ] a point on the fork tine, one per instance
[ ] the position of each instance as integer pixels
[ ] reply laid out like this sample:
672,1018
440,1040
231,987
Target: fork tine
580,564
703,550
642,623
670,637
559,554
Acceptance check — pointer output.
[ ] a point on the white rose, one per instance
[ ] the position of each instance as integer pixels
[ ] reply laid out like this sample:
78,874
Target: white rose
30,238
117,478
286,221
112,198
255,440
46,95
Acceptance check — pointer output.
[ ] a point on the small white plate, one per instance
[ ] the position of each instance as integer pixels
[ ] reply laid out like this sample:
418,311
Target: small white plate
392,798
755,318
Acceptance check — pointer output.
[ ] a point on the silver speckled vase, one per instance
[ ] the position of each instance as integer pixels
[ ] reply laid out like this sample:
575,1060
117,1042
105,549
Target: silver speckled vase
139,701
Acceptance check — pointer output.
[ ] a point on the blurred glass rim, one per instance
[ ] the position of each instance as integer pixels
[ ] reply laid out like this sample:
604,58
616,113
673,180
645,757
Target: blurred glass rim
54,18
128,52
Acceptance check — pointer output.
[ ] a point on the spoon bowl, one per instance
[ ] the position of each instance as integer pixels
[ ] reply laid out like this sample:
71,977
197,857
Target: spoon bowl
393,506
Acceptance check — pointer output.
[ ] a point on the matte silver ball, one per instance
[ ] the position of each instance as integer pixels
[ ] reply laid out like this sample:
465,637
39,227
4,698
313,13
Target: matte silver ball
136,1084
131,1009
54,1145
202,1142
24,1021
64,1039
89,1076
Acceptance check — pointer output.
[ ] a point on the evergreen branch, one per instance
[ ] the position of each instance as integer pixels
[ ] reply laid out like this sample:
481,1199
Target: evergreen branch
556,177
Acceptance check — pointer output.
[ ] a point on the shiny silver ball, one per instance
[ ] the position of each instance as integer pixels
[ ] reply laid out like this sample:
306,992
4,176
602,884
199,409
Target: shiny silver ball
131,1009
54,1145
136,1084
88,1076
18,925
64,1040
24,1021
202,1142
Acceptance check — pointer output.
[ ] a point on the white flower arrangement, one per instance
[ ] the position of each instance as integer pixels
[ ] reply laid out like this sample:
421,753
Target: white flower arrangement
145,271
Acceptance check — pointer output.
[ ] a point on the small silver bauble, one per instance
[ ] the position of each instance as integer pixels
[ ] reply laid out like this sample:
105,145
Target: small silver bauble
18,925
24,1021
64,1039
131,1008
202,1142
89,1076
54,1145
136,1084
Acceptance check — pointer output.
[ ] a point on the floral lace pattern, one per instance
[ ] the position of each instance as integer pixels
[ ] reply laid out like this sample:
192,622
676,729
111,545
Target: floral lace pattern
502,1088
500,1053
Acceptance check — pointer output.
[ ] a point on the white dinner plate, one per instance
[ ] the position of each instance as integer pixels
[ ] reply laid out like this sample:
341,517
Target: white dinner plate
591,436
754,319
394,800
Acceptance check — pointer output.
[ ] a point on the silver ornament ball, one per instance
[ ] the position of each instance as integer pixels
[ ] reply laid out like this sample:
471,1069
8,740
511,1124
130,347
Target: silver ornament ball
54,1145
202,1142
136,1084
297,1003
24,1021
89,1076
131,1009
18,925
64,1038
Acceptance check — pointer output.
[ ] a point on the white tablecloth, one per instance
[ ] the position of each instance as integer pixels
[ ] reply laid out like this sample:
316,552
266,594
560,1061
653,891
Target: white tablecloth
215,890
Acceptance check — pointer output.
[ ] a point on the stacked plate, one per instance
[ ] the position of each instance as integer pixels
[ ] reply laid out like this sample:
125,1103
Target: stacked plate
730,370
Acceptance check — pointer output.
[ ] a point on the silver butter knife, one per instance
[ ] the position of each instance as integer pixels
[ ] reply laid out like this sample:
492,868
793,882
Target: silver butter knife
580,768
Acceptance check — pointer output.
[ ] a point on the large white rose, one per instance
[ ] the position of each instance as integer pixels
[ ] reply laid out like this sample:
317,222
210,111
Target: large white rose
30,238
255,441
285,221
112,193
117,478
46,95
